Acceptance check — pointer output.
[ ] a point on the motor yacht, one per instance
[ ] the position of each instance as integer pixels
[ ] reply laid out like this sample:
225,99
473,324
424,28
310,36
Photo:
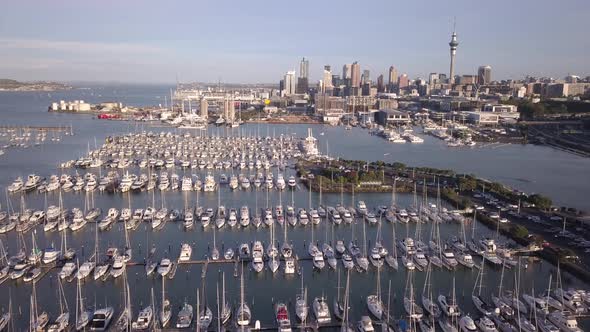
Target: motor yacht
144,319
101,319
164,267
185,252
185,317
321,310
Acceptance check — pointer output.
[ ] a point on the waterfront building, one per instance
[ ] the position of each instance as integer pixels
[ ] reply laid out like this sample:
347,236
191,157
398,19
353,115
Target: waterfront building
483,118
484,75
387,117
73,106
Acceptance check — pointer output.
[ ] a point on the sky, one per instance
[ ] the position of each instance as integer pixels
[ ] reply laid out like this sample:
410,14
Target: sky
253,41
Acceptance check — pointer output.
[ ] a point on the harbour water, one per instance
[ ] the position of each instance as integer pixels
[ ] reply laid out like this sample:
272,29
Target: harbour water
529,168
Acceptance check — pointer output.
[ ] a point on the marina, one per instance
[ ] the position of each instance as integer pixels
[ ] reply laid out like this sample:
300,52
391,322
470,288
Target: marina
173,254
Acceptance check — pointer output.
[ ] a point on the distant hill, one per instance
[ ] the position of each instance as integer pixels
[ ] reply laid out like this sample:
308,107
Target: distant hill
14,85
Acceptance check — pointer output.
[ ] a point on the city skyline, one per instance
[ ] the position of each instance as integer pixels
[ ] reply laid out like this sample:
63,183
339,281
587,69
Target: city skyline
133,42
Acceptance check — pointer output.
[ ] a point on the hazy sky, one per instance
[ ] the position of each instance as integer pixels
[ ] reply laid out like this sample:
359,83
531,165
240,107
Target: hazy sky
257,41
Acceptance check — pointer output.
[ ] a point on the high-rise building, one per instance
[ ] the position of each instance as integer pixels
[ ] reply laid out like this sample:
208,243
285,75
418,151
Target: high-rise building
366,77
484,75
380,84
327,80
392,75
289,82
403,81
453,44
304,68
355,75
302,85
346,71
204,107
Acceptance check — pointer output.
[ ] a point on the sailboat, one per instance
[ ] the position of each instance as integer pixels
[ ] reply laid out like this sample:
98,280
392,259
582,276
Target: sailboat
82,315
4,264
286,248
272,252
338,306
101,268
361,258
6,318
63,320
123,323
205,314
225,314
38,321
243,314
427,297
374,301
328,251
378,251
345,327
477,299
412,309
391,258
166,309
450,309
301,308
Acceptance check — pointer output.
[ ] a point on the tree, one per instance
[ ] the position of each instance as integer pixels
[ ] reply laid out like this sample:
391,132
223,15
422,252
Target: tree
468,183
540,201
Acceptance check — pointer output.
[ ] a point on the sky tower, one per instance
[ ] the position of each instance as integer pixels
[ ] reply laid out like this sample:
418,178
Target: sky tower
453,44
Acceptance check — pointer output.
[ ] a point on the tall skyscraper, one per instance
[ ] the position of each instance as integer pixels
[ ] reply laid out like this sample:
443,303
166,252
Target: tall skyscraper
392,79
355,75
380,85
453,44
204,105
346,71
392,75
484,75
366,77
304,68
289,82
327,80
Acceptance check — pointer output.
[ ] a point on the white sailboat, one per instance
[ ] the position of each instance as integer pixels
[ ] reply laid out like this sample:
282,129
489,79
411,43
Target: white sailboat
374,301
62,321
82,315
166,310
